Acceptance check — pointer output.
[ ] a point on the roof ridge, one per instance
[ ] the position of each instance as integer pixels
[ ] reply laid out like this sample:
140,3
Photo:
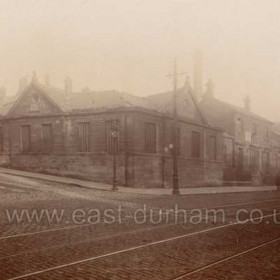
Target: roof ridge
238,109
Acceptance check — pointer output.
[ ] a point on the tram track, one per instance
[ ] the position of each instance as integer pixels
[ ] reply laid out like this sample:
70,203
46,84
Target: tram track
68,244
125,219
222,261
135,248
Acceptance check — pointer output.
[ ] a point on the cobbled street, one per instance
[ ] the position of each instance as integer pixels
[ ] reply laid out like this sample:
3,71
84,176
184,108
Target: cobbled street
57,231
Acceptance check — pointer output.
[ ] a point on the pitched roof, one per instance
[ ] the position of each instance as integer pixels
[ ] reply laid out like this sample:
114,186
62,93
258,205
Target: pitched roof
6,104
80,101
217,107
164,103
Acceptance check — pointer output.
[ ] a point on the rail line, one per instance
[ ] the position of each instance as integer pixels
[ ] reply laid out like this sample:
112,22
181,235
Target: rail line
225,260
148,228
124,219
154,244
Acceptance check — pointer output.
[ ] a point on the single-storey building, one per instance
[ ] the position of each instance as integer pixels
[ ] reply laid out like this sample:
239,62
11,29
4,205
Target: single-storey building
45,129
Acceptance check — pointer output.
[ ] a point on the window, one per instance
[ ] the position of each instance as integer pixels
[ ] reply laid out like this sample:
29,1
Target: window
84,137
112,136
274,161
35,103
225,153
212,148
150,138
195,144
25,139
47,138
265,161
255,131
254,158
240,128
240,158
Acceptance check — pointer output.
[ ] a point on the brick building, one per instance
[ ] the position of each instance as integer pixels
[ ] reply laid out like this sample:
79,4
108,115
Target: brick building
63,132
251,143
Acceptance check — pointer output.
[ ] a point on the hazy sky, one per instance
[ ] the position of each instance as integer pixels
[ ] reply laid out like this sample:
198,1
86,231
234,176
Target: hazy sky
129,45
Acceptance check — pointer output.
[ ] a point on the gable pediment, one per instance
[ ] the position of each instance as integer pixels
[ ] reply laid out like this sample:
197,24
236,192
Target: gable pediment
187,105
188,108
33,101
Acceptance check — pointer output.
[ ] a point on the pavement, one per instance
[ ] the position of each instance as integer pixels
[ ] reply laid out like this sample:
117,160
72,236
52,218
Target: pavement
148,191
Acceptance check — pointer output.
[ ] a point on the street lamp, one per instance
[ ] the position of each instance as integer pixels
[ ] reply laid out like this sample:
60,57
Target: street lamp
114,134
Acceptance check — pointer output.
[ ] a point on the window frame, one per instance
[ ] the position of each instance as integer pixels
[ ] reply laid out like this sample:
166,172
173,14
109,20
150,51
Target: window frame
150,138
213,155
82,135
29,150
46,151
198,147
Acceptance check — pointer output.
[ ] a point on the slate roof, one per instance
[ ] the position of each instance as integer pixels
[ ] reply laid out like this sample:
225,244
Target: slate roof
94,100
6,104
81,101
217,107
164,102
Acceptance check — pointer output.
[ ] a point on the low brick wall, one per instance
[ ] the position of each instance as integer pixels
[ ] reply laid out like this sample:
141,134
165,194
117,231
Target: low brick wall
97,168
143,171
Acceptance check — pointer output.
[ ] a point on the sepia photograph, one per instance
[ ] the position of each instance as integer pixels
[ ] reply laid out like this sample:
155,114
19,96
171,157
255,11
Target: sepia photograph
139,140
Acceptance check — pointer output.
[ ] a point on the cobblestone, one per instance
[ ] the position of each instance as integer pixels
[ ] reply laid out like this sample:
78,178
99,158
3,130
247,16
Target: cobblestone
30,253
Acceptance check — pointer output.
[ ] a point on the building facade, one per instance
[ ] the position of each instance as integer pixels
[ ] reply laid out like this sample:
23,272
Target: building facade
43,129
251,144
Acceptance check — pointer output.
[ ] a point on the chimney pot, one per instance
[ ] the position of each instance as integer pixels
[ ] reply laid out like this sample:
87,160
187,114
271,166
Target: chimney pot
47,80
2,92
247,103
34,77
209,89
198,74
68,85
22,83
85,89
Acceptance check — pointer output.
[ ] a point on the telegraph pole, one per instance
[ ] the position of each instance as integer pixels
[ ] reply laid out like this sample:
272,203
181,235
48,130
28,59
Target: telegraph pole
114,134
175,75
175,133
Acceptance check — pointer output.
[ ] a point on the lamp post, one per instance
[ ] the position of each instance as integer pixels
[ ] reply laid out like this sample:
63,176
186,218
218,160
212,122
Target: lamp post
114,134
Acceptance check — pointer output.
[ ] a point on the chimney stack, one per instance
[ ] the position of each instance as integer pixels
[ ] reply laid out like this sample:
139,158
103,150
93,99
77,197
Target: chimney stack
68,85
85,89
22,83
198,74
247,103
47,80
209,93
34,78
187,82
2,93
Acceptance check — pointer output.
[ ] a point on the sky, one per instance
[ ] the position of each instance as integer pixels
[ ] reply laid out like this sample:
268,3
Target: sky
130,45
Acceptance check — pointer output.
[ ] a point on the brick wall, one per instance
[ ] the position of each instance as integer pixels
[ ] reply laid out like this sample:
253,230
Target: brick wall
135,167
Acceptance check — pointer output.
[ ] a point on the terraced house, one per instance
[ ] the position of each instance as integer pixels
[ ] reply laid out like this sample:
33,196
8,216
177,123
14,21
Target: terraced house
70,133
251,142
